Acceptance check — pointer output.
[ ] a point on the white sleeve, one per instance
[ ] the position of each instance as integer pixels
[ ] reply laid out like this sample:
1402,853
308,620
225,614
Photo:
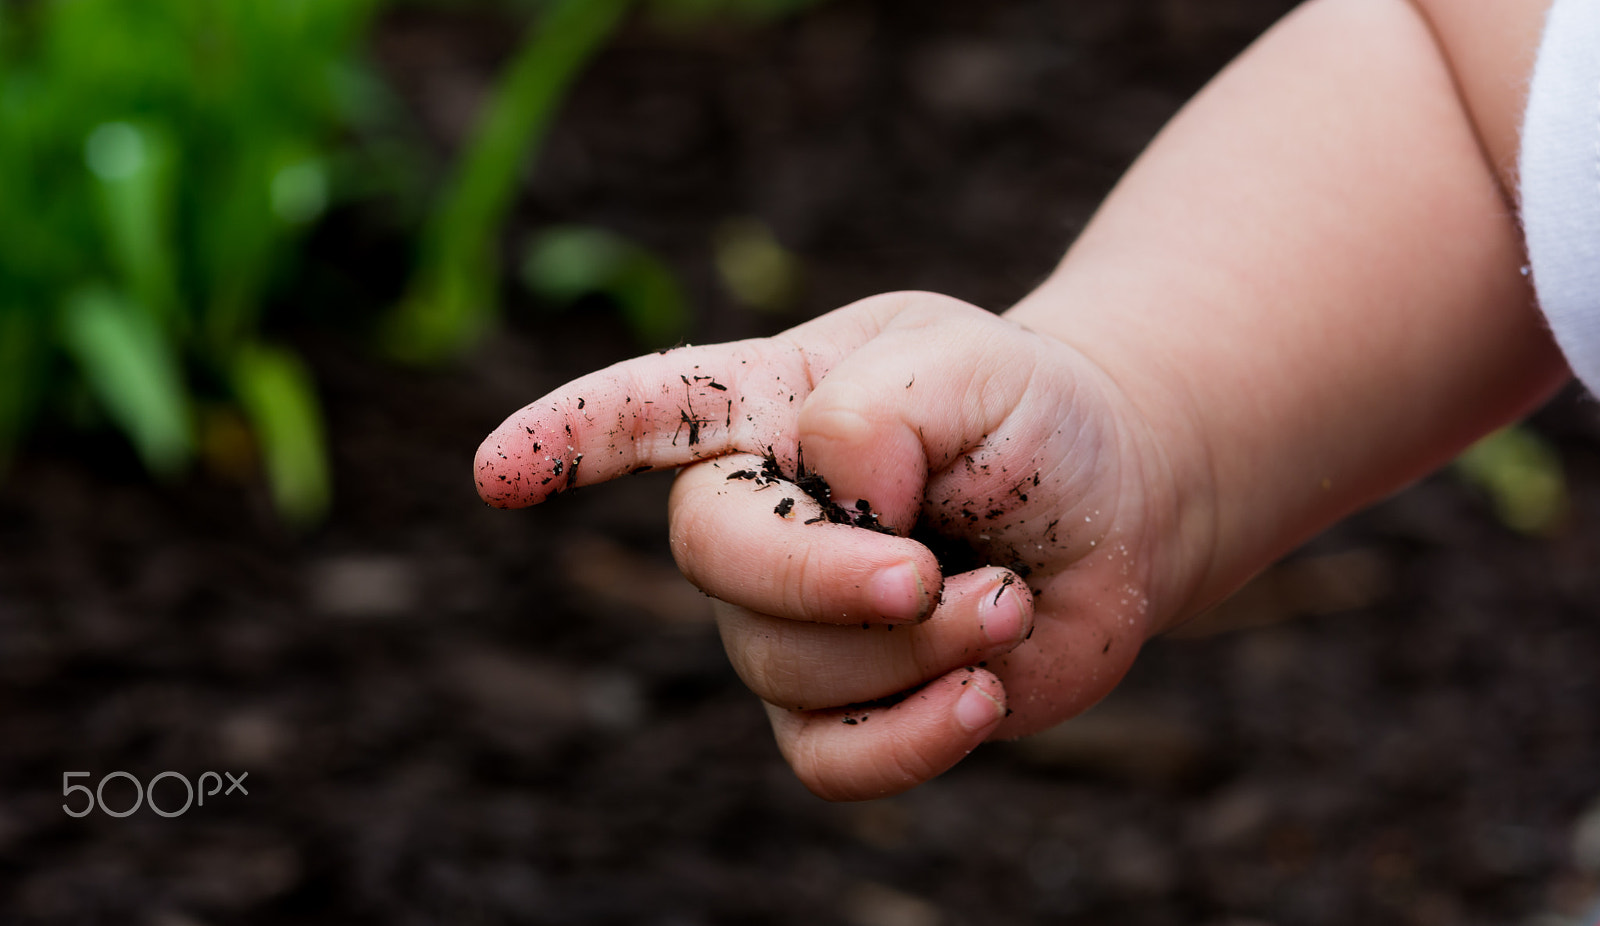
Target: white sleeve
1560,180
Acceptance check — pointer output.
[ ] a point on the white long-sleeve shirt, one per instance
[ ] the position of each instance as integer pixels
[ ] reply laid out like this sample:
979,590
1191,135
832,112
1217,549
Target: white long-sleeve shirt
1560,182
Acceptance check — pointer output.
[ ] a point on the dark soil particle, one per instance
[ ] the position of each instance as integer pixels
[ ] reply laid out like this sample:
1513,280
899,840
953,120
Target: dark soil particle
783,508
859,514
816,488
954,554
687,419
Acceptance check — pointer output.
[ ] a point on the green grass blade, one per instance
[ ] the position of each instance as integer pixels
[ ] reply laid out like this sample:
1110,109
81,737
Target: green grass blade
279,399
452,299
132,371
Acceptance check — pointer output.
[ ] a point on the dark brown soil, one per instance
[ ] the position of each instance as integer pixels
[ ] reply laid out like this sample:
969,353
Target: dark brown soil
450,714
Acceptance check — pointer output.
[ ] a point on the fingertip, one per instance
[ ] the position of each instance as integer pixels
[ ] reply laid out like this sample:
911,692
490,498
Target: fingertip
978,710
521,463
1006,613
901,593
498,484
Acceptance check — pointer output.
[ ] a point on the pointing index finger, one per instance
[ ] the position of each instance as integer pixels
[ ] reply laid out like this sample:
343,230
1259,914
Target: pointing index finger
653,412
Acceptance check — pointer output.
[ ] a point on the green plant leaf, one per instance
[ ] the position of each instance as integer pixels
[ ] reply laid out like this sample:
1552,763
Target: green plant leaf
133,167
1521,474
158,161
132,370
452,300
300,192
568,262
279,400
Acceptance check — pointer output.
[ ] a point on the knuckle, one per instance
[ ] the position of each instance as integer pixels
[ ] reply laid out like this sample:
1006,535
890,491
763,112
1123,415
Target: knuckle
801,594
832,772
931,653
836,413
822,777
876,767
919,301
910,762
762,662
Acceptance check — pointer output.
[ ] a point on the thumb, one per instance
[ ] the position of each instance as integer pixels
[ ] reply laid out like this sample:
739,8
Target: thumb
940,378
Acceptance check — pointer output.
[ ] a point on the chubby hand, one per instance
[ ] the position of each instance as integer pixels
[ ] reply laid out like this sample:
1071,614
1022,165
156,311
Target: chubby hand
923,525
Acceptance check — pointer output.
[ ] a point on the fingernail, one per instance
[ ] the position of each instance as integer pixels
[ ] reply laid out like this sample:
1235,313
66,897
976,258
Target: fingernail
1001,615
896,592
975,710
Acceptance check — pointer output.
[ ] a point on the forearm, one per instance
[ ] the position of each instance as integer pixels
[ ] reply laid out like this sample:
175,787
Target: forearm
1309,284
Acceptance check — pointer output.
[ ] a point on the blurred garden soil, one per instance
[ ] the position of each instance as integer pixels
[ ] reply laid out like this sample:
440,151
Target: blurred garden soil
450,714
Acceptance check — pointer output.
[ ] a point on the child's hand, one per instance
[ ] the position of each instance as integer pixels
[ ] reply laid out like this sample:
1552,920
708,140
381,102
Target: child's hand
1010,448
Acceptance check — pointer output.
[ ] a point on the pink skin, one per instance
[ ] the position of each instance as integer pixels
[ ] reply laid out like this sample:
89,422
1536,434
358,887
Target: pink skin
930,409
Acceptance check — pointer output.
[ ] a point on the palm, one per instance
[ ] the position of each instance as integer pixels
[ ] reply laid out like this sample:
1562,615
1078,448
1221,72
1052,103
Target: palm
989,444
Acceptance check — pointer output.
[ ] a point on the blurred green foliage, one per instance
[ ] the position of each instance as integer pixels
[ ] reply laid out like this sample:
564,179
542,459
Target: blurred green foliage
158,162
757,270
1521,474
566,263
452,299
162,160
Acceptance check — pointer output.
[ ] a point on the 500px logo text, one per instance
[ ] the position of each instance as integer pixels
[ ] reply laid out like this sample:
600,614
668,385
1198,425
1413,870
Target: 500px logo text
194,794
